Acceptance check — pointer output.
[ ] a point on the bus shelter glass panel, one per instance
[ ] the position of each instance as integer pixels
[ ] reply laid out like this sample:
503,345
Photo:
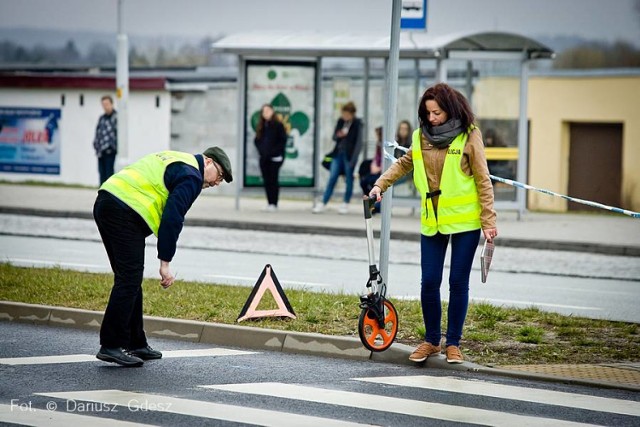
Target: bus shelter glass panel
496,103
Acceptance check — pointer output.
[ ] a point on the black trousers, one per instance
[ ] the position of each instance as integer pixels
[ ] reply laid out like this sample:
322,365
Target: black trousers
105,166
123,233
270,171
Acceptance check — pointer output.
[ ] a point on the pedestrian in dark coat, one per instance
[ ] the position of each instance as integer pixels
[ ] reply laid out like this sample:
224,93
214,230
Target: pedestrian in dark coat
270,140
105,142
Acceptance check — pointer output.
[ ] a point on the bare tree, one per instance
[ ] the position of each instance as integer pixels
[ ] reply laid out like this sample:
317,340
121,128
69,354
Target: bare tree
68,54
137,59
599,55
101,54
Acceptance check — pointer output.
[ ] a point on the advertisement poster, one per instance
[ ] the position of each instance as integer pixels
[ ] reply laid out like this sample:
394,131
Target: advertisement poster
290,89
30,140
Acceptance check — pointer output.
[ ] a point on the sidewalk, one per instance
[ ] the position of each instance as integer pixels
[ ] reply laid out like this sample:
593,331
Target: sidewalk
620,375
595,233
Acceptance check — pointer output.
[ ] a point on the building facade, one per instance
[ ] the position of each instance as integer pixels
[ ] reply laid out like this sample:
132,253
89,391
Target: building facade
77,98
584,134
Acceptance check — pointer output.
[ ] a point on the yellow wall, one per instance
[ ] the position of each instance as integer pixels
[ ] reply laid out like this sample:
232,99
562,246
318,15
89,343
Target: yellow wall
554,102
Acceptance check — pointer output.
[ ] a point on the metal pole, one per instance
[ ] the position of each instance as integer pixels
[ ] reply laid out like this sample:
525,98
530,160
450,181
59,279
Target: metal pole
416,81
317,117
469,81
441,69
242,73
391,85
523,136
122,89
365,109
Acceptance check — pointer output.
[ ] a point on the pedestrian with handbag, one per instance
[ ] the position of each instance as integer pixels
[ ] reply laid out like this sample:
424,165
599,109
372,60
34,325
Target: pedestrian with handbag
348,143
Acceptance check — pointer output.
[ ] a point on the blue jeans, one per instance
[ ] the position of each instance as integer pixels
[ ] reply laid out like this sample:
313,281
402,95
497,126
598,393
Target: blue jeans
105,166
433,250
340,165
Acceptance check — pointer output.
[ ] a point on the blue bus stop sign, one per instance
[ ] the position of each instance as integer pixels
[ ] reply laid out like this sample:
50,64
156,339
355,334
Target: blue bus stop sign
414,15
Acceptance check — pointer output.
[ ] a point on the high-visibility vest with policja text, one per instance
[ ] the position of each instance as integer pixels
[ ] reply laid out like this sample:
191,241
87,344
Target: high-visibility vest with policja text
458,204
141,184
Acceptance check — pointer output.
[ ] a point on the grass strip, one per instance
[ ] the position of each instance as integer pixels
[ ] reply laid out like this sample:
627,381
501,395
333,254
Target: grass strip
493,335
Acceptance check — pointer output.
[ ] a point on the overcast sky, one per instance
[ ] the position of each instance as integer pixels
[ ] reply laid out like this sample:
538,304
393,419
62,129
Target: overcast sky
604,20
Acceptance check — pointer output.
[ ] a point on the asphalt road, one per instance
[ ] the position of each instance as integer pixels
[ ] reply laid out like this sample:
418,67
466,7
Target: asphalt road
236,387
596,286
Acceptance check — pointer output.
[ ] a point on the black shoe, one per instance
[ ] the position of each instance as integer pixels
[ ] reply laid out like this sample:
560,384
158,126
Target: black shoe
119,356
146,353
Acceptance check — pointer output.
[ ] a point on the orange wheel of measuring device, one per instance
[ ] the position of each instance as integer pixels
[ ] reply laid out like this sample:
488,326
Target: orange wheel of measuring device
374,337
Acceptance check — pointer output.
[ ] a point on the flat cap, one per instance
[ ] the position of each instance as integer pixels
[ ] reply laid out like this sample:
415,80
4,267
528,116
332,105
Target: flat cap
218,155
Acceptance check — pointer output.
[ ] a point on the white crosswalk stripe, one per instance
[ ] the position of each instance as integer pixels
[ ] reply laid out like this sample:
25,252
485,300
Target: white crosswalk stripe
396,405
525,394
383,403
210,410
76,358
42,418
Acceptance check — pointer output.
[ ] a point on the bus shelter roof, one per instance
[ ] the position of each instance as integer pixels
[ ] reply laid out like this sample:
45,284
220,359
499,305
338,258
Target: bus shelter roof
413,45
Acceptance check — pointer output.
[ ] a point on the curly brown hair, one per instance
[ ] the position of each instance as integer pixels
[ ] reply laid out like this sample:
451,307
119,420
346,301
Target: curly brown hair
450,101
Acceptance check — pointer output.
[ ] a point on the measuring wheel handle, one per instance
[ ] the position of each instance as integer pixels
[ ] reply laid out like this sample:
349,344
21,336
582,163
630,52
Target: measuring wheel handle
369,206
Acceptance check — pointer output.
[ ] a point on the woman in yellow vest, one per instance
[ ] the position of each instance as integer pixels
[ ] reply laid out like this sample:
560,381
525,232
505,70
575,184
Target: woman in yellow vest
451,174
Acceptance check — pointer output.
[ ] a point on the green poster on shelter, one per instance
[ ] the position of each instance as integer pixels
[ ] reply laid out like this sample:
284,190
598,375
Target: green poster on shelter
290,89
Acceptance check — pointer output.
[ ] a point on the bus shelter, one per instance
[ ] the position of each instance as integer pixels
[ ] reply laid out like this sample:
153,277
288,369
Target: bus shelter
285,69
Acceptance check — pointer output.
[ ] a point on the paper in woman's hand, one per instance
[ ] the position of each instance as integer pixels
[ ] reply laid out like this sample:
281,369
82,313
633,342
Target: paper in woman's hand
485,259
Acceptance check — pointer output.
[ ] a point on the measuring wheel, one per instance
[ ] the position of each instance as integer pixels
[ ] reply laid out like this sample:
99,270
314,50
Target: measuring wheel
378,322
378,327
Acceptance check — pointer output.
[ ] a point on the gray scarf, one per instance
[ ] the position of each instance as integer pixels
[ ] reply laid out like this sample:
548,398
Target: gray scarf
441,136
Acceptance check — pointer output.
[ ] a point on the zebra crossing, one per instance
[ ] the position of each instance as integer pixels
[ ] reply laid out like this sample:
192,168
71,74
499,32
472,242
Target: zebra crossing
373,400
501,391
392,405
78,358
210,410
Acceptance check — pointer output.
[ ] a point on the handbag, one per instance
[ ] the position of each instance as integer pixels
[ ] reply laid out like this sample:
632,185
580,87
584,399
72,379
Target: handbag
327,159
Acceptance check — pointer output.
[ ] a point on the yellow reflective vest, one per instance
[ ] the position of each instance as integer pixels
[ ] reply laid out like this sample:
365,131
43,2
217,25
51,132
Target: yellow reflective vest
458,204
141,184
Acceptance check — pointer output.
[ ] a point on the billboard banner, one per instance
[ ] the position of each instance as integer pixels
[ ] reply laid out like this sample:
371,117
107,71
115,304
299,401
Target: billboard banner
290,88
30,140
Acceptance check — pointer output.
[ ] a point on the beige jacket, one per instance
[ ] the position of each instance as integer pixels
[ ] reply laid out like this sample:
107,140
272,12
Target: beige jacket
473,163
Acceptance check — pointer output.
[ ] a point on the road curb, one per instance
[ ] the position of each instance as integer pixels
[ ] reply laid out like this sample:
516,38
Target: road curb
226,335
598,248
267,339
197,331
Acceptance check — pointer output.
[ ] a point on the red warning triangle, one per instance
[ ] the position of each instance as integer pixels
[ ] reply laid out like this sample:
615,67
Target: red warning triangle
267,281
